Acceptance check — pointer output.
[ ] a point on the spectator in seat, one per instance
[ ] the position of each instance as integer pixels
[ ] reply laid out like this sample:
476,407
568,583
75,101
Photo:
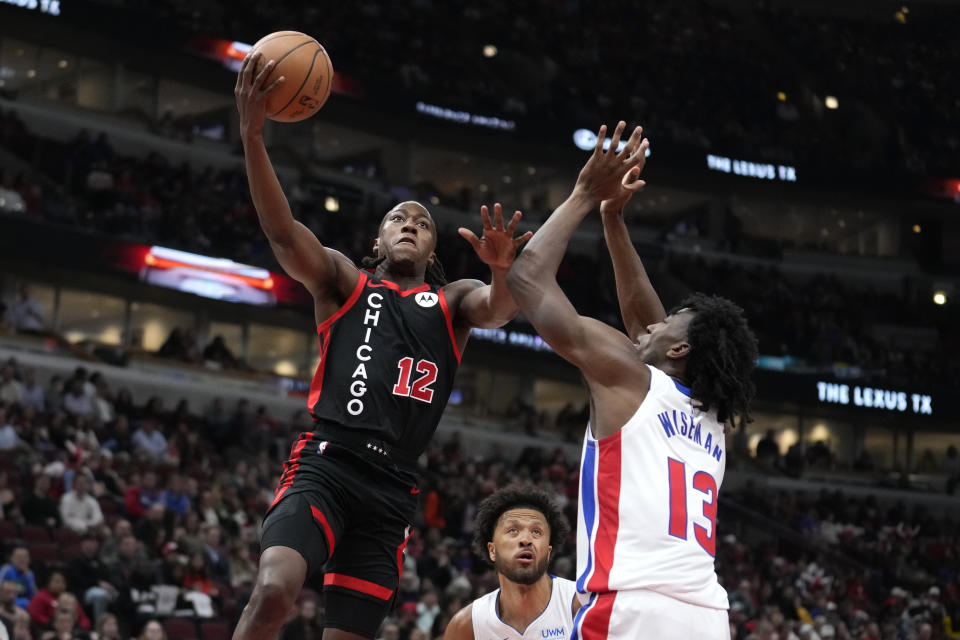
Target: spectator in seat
55,597
11,391
80,510
32,394
108,628
153,630
88,577
218,352
141,496
28,314
767,450
174,497
308,625
39,508
76,402
63,627
18,570
10,611
149,440
215,555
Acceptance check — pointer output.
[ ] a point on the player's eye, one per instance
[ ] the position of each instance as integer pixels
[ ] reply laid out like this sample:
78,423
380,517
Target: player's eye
537,532
397,217
512,530
422,225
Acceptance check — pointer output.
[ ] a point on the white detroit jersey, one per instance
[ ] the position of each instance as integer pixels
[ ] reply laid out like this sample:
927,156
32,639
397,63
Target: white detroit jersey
555,623
648,501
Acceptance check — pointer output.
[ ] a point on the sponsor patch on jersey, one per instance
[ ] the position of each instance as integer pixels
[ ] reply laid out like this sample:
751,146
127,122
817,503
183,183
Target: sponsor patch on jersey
427,299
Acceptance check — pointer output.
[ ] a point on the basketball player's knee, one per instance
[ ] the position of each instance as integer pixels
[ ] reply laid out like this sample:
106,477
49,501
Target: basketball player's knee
273,597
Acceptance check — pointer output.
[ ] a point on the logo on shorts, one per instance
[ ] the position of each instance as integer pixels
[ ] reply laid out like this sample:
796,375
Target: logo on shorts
426,299
322,447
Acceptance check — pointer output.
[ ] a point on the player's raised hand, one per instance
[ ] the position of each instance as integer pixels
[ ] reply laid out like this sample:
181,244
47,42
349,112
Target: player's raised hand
602,177
629,185
497,247
251,94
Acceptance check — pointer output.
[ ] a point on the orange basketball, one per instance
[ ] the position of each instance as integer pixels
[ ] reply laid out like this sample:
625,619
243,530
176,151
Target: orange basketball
307,70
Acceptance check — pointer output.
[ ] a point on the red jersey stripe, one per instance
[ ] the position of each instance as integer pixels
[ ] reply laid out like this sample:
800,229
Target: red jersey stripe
327,531
446,314
357,584
596,622
608,510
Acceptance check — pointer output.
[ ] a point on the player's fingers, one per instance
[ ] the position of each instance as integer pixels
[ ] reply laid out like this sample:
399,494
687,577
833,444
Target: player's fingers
261,78
633,142
498,217
514,221
640,152
470,237
616,136
522,240
251,64
274,84
485,216
239,85
601,135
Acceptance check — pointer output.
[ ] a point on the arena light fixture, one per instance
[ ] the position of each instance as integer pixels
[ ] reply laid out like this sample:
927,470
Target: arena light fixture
331,204
939,298
917,228
489,50
831,102
781,96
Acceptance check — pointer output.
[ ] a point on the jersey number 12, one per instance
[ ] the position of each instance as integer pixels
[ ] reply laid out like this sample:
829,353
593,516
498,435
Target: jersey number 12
421,388
704,483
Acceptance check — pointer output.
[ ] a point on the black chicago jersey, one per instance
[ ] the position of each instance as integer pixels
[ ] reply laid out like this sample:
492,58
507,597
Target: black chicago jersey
387,362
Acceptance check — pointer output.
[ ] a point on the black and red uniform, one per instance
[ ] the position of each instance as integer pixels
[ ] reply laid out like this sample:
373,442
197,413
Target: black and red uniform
348,494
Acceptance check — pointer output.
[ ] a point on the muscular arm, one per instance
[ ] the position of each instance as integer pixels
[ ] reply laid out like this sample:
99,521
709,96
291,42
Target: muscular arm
597,349
639,304
297,250
327,274
461,626
485,305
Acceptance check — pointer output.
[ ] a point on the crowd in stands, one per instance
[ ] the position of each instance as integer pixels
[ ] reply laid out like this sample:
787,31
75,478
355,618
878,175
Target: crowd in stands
702,74
135,519
828,322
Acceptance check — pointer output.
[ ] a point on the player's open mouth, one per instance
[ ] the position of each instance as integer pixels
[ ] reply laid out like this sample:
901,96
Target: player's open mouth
410,240
525,558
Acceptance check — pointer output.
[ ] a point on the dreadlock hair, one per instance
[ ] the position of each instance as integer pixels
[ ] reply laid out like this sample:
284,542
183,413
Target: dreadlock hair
434,275
723,355
529,497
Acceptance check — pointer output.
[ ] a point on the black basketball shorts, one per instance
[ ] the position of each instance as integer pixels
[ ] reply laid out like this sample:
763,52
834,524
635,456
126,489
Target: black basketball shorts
352,519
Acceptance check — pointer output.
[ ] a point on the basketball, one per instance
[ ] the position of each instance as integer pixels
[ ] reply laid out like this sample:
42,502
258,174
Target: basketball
307,70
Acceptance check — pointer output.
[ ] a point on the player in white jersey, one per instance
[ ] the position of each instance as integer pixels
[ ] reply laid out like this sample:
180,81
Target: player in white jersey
654,453
517,530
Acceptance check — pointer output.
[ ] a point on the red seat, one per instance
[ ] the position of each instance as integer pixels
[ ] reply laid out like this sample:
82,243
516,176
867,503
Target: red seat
214,630
35,533
65,537
180,629
9,530
45,553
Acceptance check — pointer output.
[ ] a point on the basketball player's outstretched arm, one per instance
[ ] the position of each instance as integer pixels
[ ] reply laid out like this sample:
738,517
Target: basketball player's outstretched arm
490,305
640,305
324,272
598,350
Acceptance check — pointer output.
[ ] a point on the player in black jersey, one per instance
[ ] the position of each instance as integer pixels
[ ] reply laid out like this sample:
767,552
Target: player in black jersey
390,343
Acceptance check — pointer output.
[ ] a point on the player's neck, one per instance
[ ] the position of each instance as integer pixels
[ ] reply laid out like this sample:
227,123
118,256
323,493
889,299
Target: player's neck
521,604
401,277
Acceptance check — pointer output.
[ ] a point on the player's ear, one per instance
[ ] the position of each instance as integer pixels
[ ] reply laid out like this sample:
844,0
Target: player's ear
432,258
492,552
678,350
376,246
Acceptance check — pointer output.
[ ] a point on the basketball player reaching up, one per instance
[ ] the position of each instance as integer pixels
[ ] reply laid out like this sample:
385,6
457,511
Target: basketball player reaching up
390,343
653,455
518,530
